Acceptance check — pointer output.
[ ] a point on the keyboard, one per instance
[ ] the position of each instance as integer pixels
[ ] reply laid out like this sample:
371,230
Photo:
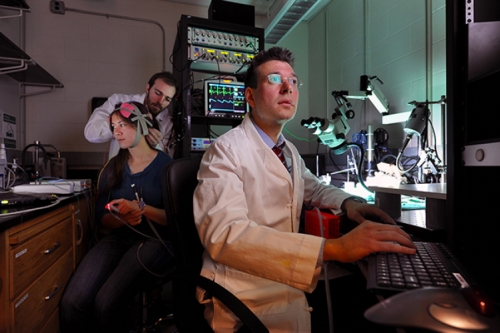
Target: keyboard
432,266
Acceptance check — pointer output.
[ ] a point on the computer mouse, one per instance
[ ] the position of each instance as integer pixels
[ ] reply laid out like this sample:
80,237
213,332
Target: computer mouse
479,300
435,309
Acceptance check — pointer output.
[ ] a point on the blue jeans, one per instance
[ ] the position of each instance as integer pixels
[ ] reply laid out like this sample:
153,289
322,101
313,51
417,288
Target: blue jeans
107,280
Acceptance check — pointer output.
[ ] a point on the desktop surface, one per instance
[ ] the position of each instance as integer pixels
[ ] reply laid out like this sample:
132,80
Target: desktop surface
435,190
432,219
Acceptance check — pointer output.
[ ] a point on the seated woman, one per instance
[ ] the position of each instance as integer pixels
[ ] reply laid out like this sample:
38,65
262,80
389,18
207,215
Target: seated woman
132,255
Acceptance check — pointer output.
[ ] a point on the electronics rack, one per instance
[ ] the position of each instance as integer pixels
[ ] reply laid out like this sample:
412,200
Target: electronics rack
208,46
211,50
472,75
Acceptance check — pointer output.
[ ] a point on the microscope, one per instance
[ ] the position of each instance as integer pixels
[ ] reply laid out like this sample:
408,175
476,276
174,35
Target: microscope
333,132
430,166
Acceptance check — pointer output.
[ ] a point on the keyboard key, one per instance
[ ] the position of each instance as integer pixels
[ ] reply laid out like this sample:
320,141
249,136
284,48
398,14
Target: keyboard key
424,269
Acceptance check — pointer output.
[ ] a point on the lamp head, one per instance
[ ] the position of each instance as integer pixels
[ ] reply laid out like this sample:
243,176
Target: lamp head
417,121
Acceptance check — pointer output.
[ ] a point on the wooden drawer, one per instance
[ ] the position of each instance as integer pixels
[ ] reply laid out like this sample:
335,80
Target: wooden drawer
52,325
83,229
30,311
32,258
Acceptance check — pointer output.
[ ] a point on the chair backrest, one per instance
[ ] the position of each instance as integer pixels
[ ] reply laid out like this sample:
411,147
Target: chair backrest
179,182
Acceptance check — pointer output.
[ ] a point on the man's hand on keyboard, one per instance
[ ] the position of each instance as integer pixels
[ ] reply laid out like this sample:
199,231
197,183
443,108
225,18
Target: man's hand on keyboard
366,238
360,212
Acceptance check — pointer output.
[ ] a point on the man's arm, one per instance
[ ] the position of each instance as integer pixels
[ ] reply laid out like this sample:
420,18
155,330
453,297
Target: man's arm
97,128
368,237
266,247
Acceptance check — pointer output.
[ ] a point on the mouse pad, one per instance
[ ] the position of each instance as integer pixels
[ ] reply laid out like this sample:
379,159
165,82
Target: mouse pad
437,309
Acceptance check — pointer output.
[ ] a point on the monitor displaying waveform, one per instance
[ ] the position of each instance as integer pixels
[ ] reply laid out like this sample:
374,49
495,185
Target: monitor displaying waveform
225,98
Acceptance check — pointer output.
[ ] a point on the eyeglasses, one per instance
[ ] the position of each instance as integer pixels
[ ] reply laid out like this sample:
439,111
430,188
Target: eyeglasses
278,79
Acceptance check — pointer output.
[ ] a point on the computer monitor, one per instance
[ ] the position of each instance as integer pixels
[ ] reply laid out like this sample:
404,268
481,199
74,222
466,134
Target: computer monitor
225,99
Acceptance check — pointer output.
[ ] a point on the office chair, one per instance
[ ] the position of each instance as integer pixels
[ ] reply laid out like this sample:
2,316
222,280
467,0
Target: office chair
179,182
150,321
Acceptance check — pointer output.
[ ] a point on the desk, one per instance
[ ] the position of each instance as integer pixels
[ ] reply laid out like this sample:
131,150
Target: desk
389,199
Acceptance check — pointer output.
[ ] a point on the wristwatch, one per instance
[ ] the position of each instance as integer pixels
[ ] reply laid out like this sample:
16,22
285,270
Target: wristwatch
357,199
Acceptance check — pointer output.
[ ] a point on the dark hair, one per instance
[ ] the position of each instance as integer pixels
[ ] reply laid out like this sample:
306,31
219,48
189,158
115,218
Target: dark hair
141,108
274,53
166,77
116,166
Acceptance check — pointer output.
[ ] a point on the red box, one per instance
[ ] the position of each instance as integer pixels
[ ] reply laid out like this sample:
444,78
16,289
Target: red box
331,224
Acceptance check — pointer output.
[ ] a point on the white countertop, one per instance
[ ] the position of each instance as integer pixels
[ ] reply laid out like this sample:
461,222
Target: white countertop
435,191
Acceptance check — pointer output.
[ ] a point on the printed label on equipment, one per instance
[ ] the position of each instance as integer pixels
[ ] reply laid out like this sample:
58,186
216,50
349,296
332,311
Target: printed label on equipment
460,279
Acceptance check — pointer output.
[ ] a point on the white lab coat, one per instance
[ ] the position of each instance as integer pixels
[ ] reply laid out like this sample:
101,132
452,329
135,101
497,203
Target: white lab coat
97,128
247,211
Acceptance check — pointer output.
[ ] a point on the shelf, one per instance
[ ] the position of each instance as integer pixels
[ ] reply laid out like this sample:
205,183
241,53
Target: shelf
17,5
18,65
14,4
388,198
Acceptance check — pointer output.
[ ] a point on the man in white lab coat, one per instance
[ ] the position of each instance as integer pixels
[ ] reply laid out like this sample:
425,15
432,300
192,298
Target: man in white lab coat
160,91
247,208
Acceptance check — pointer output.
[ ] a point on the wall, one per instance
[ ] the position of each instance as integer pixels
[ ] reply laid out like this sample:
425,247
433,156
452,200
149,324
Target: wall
97,56
91,56
400,41
94,56
296,42
10,103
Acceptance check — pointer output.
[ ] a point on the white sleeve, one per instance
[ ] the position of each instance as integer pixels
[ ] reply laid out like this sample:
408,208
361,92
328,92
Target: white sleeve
97,128
231,237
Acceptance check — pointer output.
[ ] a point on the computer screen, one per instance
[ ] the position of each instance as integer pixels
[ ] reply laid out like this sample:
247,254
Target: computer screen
225,99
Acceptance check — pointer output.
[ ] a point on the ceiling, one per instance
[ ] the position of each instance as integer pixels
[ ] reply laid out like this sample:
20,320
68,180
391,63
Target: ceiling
278,17
261,6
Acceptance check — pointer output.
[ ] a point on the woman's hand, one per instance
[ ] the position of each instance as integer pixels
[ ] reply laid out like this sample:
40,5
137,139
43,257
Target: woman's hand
128,210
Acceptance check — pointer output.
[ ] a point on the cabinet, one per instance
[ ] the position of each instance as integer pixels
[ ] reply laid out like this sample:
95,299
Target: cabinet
37,258
473,73
214,48
82,227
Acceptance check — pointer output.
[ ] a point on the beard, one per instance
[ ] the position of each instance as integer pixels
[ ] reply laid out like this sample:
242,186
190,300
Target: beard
154,108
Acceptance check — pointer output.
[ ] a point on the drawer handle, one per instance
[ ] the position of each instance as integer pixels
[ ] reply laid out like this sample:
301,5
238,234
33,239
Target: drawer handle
80,231
48,297
52,249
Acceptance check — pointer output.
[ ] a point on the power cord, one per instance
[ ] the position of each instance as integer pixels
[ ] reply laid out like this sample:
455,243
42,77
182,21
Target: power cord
57,201
111,210
325,273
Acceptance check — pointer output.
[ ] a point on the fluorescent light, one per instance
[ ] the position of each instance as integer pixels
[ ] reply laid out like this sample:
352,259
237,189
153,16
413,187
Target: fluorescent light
395,118
377,97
